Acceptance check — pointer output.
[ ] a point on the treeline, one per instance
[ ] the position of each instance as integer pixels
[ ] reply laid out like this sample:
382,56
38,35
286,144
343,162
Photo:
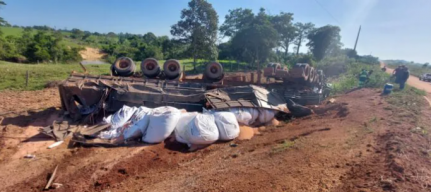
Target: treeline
254,38
42,46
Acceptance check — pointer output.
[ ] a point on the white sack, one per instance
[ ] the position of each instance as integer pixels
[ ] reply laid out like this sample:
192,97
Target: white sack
200,130
162,123
117,121
120,117
139,123
227,125
110,134
183,123
245,116
266,115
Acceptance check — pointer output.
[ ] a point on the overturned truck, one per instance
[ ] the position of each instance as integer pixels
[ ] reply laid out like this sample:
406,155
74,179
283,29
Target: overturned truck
89,98
82,94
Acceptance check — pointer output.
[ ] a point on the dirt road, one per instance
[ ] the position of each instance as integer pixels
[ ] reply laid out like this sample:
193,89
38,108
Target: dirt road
414,81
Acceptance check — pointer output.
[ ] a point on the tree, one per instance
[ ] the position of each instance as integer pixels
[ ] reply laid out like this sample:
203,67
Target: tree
255,42
2,21
324,40
425,65
150,38
198,27
77,34
283,24
303,29
236,20
111,35
225,51
349,53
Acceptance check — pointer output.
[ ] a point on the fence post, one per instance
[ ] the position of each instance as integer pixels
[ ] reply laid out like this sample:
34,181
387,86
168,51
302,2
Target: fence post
231,66
26,79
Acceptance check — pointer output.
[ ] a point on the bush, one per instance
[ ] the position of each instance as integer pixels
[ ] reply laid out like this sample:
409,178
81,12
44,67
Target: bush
349,79
110,58
334,66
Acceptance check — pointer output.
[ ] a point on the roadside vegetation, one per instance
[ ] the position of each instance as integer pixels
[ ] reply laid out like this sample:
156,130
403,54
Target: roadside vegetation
343,73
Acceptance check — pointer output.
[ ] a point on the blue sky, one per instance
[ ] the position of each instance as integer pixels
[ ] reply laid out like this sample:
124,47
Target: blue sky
391,29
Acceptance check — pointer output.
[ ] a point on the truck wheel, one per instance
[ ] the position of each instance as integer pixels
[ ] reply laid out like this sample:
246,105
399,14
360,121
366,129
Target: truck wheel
124,67
150,68
312,75
172,68
214,71
277,66
307,70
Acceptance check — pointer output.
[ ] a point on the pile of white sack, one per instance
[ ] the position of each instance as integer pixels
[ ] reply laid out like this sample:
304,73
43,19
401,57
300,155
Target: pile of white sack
155,125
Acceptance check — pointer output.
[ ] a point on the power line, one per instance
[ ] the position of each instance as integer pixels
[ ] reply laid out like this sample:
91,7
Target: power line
329,13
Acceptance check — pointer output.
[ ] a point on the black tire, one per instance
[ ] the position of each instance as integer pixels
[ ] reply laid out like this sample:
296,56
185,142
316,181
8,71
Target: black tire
307,73
124,67
312,75
277,66
172,69
214,71
150,68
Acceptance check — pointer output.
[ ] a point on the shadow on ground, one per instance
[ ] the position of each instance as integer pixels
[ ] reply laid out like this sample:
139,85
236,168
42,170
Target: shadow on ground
40,118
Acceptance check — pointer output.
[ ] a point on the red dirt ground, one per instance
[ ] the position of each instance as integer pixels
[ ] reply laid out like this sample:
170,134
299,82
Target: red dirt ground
358,143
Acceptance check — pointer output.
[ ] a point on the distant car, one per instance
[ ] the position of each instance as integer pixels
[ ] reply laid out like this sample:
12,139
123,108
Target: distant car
425,77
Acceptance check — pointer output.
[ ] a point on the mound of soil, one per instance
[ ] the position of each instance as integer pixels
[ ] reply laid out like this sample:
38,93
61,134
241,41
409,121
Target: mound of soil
90,53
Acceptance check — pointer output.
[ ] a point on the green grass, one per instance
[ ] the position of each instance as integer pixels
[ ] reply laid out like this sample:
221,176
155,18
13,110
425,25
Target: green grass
283,147
409,99
12,75
13,31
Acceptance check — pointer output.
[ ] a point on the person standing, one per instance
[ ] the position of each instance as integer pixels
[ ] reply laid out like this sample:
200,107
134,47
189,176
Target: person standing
363,77
401,74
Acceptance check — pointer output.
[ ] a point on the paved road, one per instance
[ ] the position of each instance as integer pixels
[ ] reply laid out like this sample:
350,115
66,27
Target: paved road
414,81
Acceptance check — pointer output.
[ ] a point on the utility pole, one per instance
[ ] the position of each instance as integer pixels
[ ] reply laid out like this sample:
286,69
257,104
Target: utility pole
357,38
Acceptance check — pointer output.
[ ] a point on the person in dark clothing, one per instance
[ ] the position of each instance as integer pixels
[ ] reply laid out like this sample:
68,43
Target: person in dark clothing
401,74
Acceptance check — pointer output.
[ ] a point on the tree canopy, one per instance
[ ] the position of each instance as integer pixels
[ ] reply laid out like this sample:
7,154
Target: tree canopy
287,32
2,21
324,41
303,29
249,37
255,41
198,28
